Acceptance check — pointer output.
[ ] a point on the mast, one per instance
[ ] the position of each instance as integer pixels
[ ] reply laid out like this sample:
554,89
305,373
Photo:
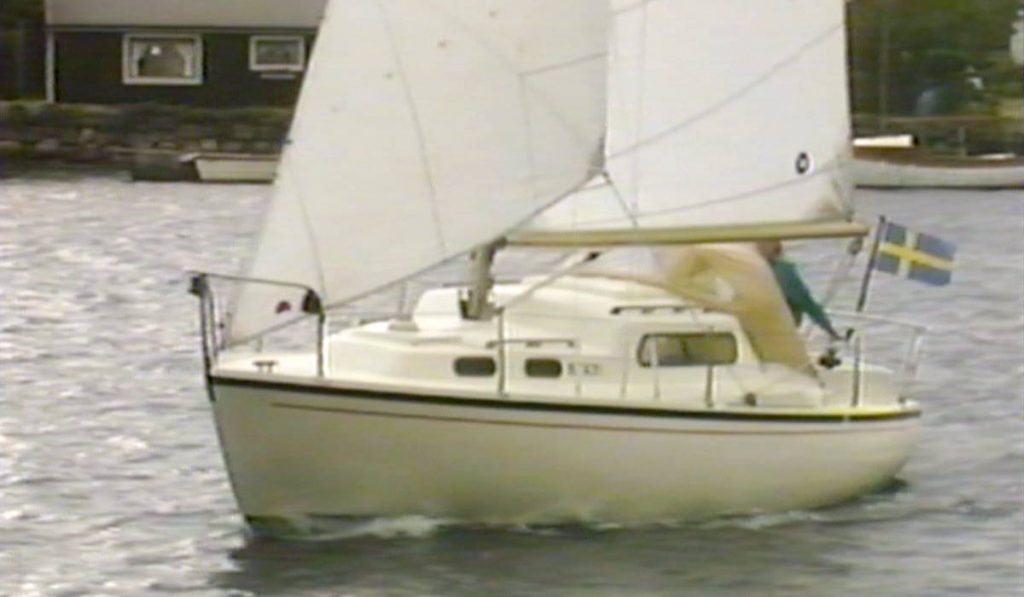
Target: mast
477,304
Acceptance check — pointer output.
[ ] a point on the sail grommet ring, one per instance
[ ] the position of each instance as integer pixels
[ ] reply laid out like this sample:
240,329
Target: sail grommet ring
803,163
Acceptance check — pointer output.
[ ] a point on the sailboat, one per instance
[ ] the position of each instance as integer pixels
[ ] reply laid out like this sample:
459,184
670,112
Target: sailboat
453,132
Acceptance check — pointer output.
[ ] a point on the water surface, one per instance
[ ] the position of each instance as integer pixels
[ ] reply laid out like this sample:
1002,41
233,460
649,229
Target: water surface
111,480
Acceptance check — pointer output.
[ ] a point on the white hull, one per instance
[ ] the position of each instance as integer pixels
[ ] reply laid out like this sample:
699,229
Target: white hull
297,450
884,174
236,169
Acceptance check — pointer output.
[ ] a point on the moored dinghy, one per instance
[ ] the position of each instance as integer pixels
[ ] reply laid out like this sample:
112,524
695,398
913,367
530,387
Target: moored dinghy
428,131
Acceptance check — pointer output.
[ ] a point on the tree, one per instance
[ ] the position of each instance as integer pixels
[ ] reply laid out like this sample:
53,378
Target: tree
21,48
13,11
903,50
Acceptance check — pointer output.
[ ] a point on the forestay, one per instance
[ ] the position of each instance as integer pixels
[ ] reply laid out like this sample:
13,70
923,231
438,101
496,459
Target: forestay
425,128
721,114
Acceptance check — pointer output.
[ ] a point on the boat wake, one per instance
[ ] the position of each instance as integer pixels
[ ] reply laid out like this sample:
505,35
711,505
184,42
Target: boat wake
894,501
326,529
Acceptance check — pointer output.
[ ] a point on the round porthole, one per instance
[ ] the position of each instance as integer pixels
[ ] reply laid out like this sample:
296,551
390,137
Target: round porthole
803,163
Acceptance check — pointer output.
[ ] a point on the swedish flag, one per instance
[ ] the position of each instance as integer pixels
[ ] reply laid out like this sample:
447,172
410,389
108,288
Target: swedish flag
920,257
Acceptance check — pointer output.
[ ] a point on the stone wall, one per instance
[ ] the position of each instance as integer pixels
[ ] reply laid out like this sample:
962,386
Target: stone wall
119,134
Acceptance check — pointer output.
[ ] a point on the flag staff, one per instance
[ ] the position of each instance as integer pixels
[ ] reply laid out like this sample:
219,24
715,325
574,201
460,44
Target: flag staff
865,283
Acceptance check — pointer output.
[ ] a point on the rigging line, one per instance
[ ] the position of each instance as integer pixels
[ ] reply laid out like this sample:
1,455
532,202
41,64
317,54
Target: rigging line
231,342
628,211
318,265
285,165
631,8
729,99
350,300
841,275
417,124
843,186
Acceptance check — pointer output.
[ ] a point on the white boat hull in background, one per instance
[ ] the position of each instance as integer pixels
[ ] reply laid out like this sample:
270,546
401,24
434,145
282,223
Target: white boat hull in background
257,169
297,452
974,173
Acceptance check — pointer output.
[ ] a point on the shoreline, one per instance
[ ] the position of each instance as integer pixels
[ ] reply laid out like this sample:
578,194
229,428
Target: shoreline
160,142
123,135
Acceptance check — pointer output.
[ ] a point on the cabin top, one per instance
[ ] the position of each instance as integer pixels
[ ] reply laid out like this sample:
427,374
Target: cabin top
299,14
574,297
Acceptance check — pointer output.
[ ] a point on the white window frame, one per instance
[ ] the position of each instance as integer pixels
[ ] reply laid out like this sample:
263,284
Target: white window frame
255,40
127,76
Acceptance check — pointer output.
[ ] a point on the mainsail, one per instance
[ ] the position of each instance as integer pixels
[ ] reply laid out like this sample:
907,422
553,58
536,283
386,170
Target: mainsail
729,118
428,127
425,128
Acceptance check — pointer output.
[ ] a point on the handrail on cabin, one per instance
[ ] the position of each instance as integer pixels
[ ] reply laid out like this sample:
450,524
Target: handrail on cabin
212,342
533,341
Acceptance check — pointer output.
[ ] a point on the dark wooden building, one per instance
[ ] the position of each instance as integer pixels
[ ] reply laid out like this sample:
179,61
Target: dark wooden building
21,60
194,52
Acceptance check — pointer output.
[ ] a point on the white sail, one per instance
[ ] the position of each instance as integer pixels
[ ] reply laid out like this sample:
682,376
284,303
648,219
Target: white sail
726,113
425,128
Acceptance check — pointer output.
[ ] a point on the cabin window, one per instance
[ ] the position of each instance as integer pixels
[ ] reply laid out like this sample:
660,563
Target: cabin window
277,53
685,350
475,366
162,59
543,368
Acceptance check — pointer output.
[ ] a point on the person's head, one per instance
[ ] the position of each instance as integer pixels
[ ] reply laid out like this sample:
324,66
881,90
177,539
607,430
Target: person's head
769,249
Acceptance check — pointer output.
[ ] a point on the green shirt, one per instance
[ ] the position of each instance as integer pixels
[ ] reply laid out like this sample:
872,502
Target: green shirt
797,295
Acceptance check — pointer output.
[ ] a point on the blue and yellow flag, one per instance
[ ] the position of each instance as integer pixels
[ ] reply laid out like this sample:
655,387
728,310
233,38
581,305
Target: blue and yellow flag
917,256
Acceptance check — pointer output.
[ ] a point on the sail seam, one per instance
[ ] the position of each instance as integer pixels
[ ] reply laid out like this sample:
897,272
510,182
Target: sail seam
310,230
513,67
417,123
735,96
564,64
524,93
824,169
638,121
451,258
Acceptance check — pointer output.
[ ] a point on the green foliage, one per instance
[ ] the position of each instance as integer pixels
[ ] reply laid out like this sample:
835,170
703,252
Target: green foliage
901,49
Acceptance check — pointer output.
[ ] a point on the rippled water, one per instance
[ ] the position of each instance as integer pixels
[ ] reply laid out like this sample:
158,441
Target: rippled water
111,480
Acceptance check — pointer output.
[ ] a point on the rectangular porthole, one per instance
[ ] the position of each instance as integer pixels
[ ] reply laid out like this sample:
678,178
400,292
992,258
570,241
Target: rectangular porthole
686,350
475,366
549,368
